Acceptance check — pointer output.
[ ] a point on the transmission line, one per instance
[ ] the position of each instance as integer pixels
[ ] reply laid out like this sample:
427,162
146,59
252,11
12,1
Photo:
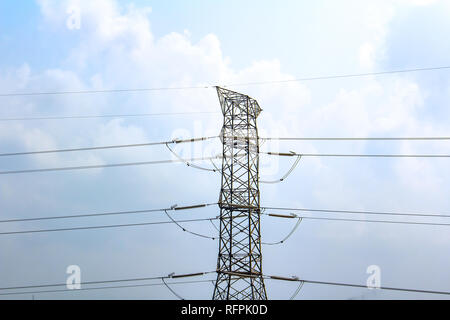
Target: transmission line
104,226
187,162
329,77
83,215
300,155
199,139
356,139
284,177
341,284
107,165
210,219
171,290
104,214
294,279
286,237
176,141
186,230
175,208
104,288
360,212
110,281
300,286
18,94
291,154
135,115
368,221
136,90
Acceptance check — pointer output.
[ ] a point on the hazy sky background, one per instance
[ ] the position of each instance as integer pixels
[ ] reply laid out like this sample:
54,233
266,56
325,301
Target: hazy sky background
142,44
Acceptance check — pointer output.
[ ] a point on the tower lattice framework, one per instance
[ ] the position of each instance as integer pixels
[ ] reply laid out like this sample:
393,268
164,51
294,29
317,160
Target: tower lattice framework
239,266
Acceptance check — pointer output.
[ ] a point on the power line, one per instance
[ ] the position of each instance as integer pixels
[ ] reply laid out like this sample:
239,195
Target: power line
107,116
217,170
329,77
295,279
210,219
341,284
371,221
175,141
300,286
287,174
104,226
106,165
357,139
17,94
83,215
171,290
186,230
358,155
187,163
360,212
110,281
101,214
104,288
136,90
213,137
299,220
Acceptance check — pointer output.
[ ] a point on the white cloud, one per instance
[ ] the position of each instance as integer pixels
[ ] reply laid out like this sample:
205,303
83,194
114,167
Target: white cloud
118,44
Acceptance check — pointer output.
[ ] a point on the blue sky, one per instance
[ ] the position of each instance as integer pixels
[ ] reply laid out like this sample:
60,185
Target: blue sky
125,45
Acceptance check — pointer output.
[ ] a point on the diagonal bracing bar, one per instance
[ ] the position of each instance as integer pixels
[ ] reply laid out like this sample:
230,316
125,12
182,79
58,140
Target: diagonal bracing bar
239,266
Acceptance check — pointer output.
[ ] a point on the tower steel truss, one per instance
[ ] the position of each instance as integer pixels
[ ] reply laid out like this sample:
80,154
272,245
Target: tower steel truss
239,266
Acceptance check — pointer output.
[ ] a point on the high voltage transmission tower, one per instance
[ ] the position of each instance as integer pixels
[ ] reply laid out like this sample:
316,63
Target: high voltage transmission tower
239,266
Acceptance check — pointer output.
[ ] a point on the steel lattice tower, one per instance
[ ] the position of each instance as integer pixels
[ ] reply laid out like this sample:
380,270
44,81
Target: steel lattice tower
239,266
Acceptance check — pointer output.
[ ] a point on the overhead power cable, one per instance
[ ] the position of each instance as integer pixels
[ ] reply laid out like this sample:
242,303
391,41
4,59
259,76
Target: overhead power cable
277,278
135,115
293,216
154,89
109,281
213,137
299,220
107,165
369,221
187,162
437,215
171,290
83,215
341,284
339,76
216,218
186,230
292,154
300,286
294,165
217,170
48,93
357,139
102,214
215,227
104,226
105,288
108,147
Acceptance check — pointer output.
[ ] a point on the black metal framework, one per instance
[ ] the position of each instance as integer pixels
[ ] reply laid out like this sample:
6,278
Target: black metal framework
239,266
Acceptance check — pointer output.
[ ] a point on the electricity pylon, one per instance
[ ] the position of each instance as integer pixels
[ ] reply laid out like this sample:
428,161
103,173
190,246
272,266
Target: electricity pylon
239,266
